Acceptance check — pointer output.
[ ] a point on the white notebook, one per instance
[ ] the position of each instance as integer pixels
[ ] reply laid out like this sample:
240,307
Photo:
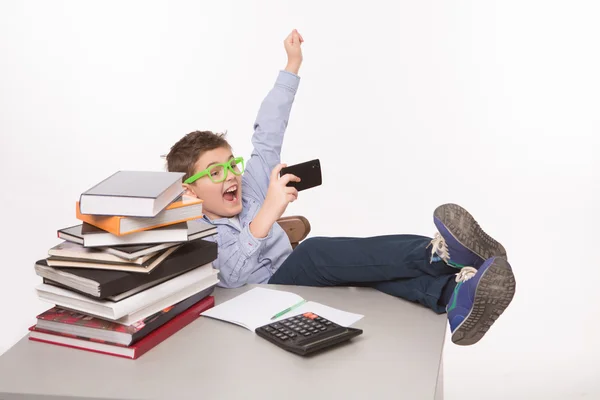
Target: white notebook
255,308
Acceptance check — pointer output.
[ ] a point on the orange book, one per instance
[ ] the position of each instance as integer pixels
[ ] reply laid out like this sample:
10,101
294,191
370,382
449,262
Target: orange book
184,208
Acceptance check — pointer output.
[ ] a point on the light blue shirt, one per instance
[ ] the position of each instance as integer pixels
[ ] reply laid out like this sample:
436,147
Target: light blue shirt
242,258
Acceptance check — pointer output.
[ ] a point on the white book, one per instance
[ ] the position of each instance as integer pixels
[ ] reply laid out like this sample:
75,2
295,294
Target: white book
138,306
132,194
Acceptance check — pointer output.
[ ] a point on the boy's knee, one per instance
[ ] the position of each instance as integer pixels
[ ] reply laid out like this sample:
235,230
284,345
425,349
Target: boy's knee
308,244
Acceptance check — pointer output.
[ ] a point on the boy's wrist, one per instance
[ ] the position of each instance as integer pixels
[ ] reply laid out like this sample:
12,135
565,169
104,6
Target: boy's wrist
293,66
268,214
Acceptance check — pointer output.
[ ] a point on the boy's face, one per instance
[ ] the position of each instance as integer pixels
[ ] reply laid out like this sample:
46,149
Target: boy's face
221,200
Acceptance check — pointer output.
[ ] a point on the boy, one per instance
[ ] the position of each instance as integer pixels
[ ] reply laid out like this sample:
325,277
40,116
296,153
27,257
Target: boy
465,273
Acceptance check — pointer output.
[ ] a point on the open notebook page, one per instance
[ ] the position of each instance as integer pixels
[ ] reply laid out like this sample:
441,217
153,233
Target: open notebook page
255,308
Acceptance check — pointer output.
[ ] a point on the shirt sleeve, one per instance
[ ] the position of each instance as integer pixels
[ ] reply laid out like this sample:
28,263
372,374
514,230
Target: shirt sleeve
269,129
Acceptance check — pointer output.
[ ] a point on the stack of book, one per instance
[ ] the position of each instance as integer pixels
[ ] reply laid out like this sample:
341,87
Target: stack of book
135,271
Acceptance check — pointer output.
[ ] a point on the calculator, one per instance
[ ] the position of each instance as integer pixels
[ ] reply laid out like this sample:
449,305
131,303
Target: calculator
306,333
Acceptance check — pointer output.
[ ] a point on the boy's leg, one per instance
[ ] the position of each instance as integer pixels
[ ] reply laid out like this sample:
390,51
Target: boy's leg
430,291
331,261
399,265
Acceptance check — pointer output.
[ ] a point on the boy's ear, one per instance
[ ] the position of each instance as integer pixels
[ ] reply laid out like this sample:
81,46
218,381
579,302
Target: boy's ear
189,191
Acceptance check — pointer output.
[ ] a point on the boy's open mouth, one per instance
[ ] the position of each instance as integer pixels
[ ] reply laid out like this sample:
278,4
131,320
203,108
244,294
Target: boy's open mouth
231,194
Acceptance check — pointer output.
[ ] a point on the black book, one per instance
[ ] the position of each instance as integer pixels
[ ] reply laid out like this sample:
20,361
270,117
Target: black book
101,284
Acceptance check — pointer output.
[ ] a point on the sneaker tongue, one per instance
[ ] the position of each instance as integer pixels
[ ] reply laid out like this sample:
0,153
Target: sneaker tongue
228,196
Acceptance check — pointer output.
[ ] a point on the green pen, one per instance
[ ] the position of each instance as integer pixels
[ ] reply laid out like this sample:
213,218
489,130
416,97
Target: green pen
279,314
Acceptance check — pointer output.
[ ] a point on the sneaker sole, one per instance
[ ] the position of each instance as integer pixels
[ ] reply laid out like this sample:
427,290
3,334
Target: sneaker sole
494,292
465,229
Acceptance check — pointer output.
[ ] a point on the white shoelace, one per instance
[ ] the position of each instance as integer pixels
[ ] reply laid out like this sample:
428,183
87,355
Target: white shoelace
465,274
439,247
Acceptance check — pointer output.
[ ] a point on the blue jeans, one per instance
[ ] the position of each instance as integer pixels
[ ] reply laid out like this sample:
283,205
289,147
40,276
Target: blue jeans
398,265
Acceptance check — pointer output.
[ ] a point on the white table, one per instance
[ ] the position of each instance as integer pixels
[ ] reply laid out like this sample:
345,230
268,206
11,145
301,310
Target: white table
398,356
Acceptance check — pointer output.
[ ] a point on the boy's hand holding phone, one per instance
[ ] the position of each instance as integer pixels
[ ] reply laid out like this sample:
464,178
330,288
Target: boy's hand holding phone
279,195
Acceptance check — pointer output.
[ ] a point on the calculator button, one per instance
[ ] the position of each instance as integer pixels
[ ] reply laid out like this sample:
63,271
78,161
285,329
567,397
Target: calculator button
284,337
323,328
269,329
286,324
307,334
293,326
318,325
303,331
297,329
288,332
309,315
276,326
292,335
328,323
279,334
311,329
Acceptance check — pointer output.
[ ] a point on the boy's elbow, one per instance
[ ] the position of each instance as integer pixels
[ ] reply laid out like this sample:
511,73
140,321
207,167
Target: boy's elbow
228,281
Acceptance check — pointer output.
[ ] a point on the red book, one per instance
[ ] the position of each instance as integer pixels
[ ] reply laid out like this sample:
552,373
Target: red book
79,325
134,351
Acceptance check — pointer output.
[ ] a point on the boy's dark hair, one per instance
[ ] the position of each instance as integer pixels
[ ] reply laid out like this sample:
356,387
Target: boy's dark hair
188,149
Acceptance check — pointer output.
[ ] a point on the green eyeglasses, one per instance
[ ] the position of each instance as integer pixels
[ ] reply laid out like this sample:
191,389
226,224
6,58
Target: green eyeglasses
218,172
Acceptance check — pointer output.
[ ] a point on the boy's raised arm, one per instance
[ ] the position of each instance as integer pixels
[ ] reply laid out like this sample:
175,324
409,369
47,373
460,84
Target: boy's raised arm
271,122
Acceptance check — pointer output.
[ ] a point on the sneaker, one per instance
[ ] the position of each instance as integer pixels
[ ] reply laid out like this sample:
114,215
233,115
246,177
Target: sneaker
479,298
461,242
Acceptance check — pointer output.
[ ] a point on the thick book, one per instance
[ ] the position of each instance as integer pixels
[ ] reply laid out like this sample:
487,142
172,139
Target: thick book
132,193
137,349
145,268
138,306
103,284
72,250
183,209
91,236
66,322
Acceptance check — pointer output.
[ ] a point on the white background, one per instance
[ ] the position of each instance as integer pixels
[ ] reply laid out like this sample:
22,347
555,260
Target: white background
408,104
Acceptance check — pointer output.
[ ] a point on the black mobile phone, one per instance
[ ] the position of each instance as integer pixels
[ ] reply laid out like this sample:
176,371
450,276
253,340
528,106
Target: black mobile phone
309,173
